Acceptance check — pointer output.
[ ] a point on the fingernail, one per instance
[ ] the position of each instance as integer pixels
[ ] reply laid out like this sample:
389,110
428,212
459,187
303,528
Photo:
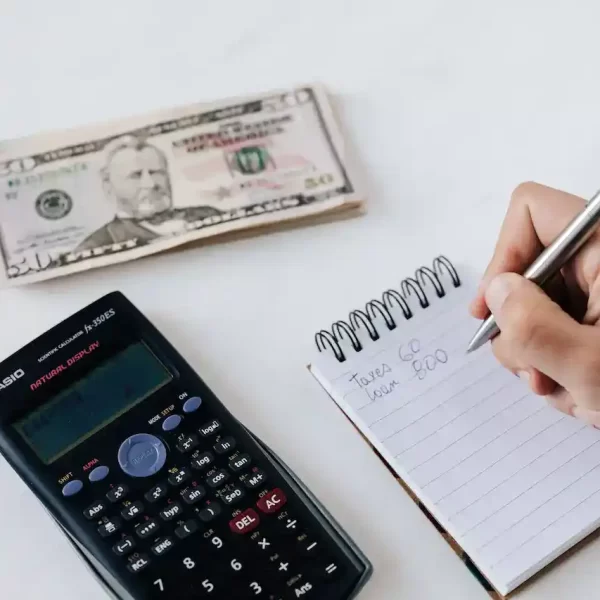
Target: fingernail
524,375
497,291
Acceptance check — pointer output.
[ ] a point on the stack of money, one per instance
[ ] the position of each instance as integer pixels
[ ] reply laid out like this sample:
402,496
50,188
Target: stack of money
104,194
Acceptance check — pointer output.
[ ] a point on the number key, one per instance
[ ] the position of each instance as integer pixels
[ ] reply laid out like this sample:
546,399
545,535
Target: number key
255,589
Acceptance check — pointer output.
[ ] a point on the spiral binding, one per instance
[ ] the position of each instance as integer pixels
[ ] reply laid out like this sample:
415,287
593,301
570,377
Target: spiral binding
424,276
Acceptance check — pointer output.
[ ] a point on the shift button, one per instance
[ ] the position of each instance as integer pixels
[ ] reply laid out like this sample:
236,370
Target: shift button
72,488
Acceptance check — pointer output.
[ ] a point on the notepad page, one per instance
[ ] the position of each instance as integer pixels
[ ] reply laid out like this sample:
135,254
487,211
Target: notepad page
513,480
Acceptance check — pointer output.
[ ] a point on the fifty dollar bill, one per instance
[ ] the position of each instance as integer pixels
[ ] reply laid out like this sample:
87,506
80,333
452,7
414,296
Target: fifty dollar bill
95,196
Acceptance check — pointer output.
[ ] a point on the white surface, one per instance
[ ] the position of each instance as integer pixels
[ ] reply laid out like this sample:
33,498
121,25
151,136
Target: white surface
448,104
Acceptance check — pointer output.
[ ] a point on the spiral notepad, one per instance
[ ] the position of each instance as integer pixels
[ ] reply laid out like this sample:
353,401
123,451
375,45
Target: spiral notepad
512,480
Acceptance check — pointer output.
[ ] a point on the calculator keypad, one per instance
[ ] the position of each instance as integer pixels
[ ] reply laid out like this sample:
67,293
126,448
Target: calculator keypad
214,519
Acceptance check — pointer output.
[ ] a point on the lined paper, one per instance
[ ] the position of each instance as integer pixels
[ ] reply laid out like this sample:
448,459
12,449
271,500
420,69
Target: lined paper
513,480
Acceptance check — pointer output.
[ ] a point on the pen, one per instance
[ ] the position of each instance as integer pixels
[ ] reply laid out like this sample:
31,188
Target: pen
550,261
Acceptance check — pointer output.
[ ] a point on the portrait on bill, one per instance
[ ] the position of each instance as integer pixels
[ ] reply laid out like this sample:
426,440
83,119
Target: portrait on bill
135,177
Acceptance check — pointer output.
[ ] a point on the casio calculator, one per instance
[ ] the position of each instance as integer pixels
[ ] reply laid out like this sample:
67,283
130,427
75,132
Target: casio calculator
162,492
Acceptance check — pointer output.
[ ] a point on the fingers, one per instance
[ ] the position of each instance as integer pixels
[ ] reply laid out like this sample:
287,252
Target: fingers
538,337
535,217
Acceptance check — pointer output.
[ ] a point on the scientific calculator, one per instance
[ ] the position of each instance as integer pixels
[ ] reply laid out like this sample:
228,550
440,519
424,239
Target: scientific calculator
162,492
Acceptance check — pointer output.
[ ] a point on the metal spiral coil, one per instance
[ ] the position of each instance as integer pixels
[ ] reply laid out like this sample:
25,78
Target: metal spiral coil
424,278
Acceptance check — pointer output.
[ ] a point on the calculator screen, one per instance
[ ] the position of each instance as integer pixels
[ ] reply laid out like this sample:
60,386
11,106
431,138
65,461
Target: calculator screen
93,402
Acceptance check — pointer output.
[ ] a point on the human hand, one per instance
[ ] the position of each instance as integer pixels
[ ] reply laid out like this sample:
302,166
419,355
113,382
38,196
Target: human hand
550,339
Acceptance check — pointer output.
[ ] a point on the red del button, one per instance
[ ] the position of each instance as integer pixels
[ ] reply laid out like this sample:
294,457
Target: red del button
272,502
245,522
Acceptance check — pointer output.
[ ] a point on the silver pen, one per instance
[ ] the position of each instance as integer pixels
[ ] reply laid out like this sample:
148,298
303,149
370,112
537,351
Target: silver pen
550,261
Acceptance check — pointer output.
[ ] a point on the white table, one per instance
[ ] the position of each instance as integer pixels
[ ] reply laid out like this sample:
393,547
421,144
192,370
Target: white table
448,104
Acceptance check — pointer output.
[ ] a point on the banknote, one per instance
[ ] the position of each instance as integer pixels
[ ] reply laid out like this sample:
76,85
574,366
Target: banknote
107,193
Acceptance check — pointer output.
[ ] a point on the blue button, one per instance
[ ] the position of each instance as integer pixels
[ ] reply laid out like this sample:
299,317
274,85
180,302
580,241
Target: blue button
192,404
99,473
72,488
171,422
142,455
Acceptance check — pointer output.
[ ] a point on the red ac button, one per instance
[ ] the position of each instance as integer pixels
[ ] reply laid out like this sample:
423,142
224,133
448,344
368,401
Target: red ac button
272,502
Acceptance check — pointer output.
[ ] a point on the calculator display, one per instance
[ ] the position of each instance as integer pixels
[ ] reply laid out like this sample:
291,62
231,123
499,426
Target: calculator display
93,402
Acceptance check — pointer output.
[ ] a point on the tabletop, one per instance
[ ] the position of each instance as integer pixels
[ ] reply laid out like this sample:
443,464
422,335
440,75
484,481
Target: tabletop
447,105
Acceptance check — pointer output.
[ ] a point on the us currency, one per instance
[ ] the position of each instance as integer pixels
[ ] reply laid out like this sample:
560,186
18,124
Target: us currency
104,194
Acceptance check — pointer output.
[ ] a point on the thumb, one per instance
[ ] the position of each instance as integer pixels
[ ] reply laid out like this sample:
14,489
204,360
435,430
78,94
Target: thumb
536,333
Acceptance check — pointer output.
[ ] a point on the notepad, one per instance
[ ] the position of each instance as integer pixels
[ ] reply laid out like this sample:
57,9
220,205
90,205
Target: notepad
514,481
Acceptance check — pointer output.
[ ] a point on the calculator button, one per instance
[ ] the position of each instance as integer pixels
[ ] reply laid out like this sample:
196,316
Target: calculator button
98,474
142,455
156,493
309,546
192,404
254,589
210,428
132,510
217,479
227,444
163,546
109,527
117,493
239,462
179,477
95,510
302,588
72,488
203,460
210,512
147,529
172,511
139,563
231,494
187,529
124,546
254,479
193,494
290,525
171,423
272,502
187,443
331,570
245,522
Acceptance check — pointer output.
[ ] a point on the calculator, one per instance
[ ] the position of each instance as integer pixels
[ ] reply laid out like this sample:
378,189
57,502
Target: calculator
158,487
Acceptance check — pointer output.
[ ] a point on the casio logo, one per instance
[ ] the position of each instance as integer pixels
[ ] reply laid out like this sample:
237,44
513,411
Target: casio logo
11,378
